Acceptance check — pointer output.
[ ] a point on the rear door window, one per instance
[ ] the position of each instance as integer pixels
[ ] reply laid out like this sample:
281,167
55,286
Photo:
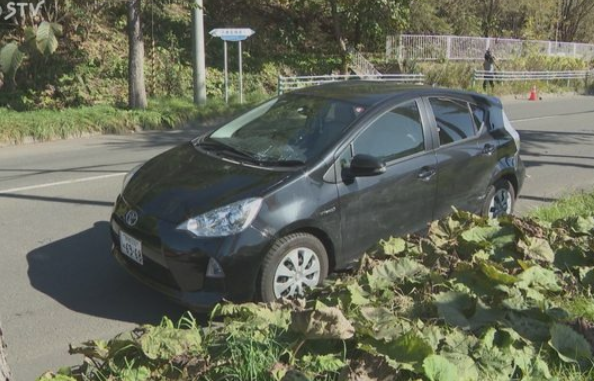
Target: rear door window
454,120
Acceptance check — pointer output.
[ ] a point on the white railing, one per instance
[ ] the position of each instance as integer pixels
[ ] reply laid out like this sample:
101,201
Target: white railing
531,75
293,83
423,47
361,66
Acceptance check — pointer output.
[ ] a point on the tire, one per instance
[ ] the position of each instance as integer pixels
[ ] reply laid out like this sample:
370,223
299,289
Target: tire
281,276
500,199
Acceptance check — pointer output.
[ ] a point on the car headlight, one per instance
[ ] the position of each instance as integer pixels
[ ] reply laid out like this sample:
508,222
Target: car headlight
224,221
129,176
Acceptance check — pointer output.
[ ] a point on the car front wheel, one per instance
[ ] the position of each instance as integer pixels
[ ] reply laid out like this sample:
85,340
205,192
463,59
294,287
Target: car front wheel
294,263
499,200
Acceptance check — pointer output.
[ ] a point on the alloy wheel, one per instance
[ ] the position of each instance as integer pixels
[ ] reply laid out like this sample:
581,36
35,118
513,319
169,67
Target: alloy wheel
501,203
299,269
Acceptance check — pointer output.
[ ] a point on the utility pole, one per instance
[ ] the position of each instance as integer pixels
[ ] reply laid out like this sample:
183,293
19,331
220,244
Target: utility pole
198,64
4,370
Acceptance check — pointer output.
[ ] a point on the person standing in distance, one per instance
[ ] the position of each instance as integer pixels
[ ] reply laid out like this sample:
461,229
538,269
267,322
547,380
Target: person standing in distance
489,66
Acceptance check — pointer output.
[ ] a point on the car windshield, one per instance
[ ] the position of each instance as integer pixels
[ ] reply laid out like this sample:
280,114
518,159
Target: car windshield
289,130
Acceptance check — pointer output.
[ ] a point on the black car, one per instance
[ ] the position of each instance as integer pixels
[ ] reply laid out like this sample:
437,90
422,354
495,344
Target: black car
302,185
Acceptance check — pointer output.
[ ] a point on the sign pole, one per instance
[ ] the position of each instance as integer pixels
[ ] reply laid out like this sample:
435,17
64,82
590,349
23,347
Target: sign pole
233,35
226,75
240,76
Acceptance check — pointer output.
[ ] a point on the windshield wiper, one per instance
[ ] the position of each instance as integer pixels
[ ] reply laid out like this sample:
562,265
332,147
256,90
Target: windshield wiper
236,152
241,154
283,163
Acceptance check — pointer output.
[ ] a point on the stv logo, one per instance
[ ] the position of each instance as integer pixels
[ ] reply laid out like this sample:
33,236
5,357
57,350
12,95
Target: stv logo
23,9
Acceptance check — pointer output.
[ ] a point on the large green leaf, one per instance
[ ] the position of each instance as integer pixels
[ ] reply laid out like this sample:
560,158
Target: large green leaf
324,363
568,257
479,234
11,58
399,271
358,296
537,248
135,373
92,349
408,351
586,275
537,278
570,345
257,316
495,363
322,323
529,328
581,225
166,341
455,308
467,368
383,324
438,368
47,37
393,246
496,274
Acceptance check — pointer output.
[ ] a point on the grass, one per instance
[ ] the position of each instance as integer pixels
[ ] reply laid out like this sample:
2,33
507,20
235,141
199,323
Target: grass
162,113
580,306
576,205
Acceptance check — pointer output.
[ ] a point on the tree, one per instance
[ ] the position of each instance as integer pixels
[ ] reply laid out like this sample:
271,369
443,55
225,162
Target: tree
136,87
4,370
574,14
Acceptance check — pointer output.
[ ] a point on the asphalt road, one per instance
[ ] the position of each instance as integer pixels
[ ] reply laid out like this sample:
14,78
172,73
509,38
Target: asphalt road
59,285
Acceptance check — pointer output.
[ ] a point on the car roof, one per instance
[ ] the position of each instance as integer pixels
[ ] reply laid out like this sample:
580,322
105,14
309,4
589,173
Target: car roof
369,92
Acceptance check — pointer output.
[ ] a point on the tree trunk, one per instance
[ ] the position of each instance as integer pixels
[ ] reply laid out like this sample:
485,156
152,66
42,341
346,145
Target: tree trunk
136,88
339,36
4,370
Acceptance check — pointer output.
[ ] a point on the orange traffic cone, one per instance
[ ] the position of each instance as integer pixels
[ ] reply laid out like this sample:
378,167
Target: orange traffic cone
533,96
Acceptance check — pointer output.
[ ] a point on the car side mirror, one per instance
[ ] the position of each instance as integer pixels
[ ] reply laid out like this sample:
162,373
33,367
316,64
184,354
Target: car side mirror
366,165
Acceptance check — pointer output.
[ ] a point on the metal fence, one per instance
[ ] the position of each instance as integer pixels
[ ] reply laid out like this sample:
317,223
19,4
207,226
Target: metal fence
293,83
423,47
508,76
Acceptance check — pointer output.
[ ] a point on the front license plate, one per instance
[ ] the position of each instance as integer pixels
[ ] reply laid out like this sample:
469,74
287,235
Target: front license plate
131,247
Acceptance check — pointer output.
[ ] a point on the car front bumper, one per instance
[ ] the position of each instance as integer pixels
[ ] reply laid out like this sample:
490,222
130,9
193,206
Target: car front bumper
175,262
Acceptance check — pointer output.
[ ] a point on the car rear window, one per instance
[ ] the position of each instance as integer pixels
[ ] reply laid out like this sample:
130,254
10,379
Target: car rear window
454,120
478,114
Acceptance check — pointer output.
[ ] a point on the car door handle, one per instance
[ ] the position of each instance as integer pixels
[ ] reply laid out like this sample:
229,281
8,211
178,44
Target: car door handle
488,149
426,173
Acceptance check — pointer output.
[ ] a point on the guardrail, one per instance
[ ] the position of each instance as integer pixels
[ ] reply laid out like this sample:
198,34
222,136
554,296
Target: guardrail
480,75
293,83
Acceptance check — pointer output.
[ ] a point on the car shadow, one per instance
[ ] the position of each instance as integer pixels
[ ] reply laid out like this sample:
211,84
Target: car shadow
80,273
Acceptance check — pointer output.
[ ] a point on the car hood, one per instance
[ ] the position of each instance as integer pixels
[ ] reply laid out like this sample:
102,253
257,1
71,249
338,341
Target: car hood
184,182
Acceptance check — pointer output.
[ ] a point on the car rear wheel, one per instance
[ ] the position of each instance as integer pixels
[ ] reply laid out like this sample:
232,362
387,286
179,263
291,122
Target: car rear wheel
499,200
294,263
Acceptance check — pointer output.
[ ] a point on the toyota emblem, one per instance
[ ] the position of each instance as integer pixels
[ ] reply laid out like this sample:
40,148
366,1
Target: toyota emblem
131,218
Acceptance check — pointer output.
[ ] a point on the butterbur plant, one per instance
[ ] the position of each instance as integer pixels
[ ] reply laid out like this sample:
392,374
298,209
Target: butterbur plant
475,299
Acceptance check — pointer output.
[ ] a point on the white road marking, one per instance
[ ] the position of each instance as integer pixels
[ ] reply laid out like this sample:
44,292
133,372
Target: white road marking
537,118
66,182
